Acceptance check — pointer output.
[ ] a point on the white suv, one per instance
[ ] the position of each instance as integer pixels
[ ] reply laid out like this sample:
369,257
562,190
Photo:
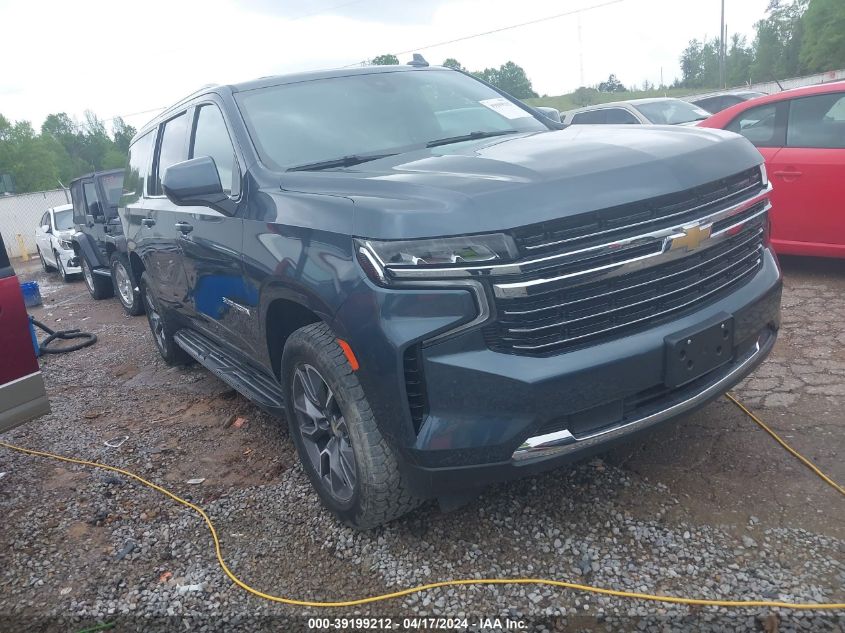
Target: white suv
53,240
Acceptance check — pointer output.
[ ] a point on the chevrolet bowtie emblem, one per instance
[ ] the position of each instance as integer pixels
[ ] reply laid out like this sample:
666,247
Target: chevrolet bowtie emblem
692,237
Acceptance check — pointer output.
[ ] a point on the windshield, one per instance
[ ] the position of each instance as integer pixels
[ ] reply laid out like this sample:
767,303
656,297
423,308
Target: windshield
671,112
63,219
326,119
112,185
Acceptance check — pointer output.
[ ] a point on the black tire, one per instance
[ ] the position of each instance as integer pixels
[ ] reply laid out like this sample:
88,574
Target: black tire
161,327
125,286
98,285
379,493
44,265
61,267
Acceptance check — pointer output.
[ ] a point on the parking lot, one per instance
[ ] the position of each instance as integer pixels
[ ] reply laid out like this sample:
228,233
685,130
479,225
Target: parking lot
710,507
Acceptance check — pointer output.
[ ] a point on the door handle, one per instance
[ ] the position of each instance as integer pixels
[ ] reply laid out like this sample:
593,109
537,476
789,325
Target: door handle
184,227
148,222
789,173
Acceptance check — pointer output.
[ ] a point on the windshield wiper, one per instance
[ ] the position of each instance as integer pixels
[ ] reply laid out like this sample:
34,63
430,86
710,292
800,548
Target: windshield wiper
343,161
467,137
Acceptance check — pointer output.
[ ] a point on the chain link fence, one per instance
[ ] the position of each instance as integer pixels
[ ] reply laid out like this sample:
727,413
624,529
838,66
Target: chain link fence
19,217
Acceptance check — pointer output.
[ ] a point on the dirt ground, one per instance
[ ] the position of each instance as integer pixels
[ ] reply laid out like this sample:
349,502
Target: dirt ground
713,479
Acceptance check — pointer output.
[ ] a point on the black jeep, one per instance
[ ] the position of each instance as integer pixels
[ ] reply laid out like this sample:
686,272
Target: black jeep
99,242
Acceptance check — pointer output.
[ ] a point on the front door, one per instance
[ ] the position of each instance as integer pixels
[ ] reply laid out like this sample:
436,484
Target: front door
95,220
807,173
211,240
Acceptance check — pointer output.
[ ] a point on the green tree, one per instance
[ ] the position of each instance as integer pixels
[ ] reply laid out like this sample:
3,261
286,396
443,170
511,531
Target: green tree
738,62
509,77
122,134
823,43
451,62
777,44
385,60
612,85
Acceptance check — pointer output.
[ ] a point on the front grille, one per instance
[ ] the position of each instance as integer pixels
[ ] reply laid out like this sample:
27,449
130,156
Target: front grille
606,225
585,311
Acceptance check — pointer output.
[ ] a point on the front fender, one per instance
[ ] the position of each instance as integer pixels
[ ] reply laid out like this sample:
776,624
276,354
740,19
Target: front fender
85,246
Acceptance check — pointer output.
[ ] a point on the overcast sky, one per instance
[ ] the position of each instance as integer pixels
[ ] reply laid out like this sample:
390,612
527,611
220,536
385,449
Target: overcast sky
120,58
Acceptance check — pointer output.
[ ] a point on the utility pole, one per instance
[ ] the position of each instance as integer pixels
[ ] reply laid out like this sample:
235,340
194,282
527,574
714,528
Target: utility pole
580,48
722,49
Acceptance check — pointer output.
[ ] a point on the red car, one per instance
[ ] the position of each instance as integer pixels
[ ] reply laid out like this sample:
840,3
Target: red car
801,134
22,394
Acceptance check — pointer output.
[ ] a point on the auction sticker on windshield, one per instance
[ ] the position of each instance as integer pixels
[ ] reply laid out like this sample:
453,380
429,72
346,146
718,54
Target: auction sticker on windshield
505,108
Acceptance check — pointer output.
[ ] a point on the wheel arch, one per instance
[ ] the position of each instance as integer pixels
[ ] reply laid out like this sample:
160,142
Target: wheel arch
282,318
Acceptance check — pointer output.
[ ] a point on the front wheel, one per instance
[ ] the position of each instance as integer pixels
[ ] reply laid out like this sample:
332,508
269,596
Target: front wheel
161,327
44,265
348,461
62,272
98,285
124,285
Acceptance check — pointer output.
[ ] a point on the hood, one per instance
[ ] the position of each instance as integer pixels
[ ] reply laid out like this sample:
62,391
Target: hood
67,234
505,182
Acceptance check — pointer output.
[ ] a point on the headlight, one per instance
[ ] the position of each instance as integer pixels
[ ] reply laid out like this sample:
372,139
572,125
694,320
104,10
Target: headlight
437,253
763,175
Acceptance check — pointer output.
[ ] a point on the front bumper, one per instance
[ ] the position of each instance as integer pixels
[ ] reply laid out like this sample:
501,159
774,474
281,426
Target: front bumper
489,413
70,261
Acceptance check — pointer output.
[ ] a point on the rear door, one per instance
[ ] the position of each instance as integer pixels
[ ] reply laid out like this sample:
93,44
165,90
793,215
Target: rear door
212,241
809,171
162,251
95,219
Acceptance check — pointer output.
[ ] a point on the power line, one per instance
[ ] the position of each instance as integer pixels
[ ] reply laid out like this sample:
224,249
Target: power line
500,29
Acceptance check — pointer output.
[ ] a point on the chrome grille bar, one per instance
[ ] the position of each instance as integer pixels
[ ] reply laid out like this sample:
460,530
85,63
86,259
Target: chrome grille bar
563,341
751,238
755,187
755,254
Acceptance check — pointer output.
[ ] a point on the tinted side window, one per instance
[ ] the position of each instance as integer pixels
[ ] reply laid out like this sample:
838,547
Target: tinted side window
762,125
78,203
618,115
92,203
212,139
137,169
817,121
172,147
592,116
711,104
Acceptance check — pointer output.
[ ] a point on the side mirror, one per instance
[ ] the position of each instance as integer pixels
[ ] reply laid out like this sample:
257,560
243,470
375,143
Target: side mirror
46,228
549,113
196,182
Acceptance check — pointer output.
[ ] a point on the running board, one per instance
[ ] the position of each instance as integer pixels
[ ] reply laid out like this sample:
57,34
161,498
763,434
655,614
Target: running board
252,383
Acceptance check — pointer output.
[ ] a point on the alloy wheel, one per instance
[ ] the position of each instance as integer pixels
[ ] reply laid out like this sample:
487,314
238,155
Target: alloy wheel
124,284
88,275
156,322
324,432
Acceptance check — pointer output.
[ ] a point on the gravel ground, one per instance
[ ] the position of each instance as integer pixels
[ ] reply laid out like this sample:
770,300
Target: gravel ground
708,507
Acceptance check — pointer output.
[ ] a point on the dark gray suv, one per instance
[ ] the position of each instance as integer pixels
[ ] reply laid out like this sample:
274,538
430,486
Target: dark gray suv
436,285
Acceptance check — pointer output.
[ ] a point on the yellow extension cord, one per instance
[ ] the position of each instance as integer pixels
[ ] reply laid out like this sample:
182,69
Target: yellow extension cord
468,581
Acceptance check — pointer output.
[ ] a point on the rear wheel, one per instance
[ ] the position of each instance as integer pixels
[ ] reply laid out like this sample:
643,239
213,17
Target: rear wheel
125,287
350,464
98,285
161,327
